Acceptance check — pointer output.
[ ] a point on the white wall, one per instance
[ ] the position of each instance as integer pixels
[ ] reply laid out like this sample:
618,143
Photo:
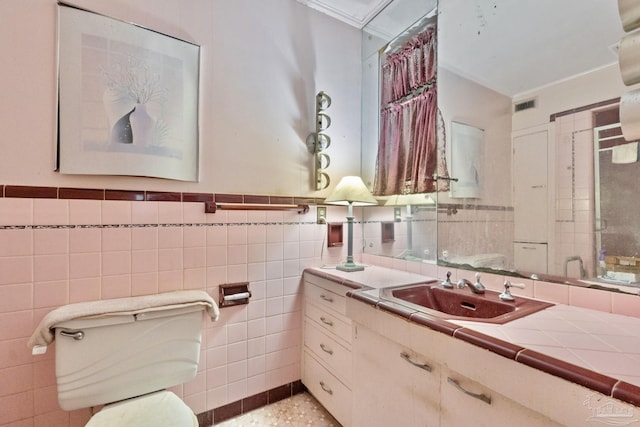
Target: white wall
588,88
461,100
262,64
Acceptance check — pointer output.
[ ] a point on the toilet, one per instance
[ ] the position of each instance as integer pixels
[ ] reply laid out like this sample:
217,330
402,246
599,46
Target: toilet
124,353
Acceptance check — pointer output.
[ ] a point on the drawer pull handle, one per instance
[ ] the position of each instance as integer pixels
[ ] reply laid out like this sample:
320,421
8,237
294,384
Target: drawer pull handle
326,349
406,357
325,388
486,399
326,298
325,321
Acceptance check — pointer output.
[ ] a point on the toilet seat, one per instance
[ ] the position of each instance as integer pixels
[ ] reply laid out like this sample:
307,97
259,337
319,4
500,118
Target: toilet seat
158,409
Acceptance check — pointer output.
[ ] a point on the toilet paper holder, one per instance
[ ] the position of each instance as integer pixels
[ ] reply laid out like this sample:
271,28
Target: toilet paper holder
234,294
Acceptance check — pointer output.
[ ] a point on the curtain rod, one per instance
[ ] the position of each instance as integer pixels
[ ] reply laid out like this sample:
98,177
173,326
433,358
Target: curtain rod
212,207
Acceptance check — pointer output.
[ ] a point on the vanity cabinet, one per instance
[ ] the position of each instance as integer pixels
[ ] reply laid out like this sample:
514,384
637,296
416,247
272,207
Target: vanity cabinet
463,379
396,385
393,385
327,357
370,365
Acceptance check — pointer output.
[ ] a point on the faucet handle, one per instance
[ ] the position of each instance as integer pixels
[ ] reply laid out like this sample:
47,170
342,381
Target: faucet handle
506,294
517,285
447,283
478,285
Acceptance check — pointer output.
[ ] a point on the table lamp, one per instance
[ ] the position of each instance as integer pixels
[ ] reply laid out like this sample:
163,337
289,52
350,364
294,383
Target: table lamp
351,192
409,200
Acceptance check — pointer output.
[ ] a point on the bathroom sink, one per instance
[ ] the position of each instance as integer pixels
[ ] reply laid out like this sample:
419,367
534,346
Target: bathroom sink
462,304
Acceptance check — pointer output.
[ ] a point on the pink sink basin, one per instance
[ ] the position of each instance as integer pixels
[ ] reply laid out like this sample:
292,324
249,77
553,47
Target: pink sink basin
462,304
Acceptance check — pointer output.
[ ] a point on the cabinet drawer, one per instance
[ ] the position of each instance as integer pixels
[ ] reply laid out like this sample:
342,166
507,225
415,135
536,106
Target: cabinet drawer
330,392
465,402
329,321
333,354
325,298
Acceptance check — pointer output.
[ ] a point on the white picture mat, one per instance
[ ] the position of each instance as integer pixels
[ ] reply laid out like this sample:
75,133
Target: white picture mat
108,67
466,160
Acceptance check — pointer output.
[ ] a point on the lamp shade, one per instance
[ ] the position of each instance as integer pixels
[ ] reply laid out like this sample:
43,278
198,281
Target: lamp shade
352,190
410,199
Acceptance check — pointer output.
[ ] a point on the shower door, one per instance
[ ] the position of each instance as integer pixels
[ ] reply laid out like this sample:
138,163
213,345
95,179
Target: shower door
617,201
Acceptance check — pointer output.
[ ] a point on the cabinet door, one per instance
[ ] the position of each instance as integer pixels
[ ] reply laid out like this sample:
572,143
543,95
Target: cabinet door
392,385
329,390
334,355
467,403
530,256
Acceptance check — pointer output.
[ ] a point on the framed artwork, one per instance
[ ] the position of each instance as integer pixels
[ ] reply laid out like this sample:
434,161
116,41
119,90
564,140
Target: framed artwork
127,99
466,160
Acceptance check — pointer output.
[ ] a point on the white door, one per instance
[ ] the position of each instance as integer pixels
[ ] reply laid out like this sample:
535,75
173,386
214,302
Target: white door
530,187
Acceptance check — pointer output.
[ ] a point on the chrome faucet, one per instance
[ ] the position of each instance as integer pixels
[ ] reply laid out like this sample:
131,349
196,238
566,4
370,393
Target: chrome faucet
476,288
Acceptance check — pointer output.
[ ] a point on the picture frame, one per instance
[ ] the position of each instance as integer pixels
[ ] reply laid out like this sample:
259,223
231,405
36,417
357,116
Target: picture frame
467,148
127,99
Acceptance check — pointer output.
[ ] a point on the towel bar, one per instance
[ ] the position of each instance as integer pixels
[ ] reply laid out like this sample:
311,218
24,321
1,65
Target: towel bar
212,207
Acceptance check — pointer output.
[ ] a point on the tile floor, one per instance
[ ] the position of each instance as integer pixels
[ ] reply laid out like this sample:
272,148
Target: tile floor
300,410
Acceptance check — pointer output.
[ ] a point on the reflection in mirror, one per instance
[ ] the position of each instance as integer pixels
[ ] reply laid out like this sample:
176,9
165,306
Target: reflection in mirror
617,172
413,231
405,227
537,78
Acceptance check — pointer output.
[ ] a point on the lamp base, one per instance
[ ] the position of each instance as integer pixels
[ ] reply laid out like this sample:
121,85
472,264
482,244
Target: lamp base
349,267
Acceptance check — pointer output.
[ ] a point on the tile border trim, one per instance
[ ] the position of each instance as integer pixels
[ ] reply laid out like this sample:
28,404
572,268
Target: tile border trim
159,225
242,406
39,192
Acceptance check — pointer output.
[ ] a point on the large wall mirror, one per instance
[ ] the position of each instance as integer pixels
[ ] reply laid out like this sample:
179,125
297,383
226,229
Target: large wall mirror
528,96
405,227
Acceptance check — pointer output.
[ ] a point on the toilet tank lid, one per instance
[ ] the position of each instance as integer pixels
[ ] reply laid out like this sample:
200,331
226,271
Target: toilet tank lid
45,332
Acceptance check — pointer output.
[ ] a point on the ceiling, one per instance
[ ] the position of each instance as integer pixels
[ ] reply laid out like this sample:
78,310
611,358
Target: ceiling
354,12
511,46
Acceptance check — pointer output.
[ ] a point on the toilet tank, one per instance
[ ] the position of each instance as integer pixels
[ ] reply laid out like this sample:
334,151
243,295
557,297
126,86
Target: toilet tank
109,358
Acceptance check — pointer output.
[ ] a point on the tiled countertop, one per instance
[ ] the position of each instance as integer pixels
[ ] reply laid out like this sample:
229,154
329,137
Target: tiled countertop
602,342
595,349
370,277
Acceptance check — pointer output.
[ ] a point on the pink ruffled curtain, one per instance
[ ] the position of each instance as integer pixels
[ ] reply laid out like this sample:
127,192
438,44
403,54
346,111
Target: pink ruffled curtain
411,67
408,147
407,151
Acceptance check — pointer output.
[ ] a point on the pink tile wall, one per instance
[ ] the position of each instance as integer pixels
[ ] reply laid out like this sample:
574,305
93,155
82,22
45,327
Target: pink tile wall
252,348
